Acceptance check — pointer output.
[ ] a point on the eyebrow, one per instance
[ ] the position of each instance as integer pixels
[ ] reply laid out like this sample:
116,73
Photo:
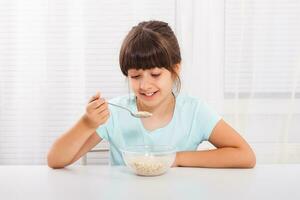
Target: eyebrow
157,69
133,71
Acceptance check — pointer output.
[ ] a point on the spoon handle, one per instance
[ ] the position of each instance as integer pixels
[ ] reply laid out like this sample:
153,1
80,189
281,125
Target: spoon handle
119,106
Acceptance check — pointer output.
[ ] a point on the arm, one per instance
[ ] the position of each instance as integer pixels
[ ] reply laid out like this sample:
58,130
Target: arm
232,151
72,145
81,137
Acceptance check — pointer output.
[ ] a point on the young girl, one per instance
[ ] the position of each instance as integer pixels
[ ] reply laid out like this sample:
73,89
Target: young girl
150,58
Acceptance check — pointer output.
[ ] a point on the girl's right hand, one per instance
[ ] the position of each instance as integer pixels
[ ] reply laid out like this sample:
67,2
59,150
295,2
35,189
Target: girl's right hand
97,112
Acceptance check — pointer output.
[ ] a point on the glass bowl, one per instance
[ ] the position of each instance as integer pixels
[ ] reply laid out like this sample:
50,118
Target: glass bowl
147,160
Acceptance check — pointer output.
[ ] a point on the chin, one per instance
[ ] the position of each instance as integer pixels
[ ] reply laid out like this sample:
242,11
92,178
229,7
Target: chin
150,101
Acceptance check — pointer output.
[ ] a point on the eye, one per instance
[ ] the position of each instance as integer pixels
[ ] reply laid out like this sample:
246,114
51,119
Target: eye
136,76
155,75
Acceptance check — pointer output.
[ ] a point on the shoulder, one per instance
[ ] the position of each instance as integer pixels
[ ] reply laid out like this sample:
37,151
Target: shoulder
187,101
193,106
198,115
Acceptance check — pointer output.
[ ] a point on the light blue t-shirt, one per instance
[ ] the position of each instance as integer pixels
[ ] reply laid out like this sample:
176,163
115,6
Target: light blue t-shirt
192,123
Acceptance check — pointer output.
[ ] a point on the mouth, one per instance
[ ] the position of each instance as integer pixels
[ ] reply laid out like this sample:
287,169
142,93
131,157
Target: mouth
148,94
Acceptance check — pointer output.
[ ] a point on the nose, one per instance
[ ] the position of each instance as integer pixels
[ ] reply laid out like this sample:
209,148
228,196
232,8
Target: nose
145,84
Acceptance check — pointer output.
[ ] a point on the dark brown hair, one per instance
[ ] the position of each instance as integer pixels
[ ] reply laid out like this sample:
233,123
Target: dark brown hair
150,44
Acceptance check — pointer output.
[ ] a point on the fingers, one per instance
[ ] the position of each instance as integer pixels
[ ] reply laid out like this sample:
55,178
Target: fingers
94,103
97,103
105,115
103,107
97,106
94,106
96,96
97,109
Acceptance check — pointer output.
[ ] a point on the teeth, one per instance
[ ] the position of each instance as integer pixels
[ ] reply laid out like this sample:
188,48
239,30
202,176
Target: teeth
149,94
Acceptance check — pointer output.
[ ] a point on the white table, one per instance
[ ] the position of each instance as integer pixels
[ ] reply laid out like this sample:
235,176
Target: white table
105,182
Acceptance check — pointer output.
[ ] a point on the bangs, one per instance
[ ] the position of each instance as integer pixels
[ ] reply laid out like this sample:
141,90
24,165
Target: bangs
144,50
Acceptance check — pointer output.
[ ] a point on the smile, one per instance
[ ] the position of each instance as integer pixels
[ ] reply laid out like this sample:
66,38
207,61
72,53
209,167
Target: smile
149,94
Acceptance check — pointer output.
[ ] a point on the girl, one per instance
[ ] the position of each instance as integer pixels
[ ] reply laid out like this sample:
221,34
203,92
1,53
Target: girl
150,58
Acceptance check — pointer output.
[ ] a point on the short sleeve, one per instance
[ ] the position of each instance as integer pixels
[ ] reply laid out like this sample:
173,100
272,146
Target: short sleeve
205,119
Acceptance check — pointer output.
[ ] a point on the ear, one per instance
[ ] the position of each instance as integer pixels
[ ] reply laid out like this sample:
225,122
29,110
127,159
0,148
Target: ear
178,68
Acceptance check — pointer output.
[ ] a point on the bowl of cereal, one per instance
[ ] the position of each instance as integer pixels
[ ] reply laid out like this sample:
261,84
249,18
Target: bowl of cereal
149,160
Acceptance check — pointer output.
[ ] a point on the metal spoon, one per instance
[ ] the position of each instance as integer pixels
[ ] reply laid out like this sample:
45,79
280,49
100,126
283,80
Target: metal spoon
139,114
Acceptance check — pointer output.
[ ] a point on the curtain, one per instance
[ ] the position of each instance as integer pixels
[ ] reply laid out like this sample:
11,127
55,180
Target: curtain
262,73
243,58
54,55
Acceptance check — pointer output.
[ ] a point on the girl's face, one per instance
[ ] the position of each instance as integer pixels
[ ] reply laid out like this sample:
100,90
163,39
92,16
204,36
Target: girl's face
151,86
